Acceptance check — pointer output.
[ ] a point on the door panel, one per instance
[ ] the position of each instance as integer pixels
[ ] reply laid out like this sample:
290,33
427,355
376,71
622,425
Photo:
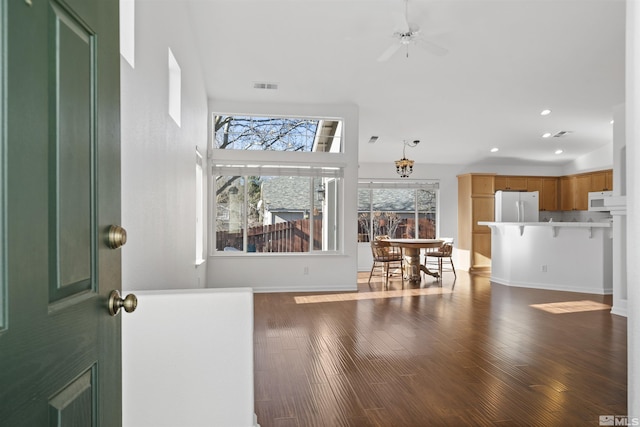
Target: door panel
59,349
3,281
73,406
72,145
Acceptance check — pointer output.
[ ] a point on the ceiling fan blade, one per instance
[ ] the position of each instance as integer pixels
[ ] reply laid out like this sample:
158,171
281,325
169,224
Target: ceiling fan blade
431,47
388,53
406,16
400,23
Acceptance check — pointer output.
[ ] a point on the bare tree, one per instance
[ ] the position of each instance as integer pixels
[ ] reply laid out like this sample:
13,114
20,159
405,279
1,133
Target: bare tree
392,220
261,133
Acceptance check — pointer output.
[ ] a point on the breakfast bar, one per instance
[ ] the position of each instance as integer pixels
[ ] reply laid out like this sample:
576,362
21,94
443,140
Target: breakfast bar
566,256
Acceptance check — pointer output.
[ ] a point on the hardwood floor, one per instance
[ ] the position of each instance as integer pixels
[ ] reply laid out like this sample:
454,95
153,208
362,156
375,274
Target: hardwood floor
473,354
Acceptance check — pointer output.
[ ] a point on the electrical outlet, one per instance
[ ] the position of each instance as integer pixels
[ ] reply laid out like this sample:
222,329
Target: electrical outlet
543,268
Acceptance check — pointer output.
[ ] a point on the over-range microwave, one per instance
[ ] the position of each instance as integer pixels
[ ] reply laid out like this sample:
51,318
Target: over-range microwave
596,200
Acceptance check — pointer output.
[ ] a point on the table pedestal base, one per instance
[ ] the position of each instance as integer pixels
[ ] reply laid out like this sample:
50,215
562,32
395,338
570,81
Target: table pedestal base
415,267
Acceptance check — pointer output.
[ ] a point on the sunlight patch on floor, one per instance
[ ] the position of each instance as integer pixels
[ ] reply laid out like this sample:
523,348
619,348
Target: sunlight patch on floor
571,306
369,295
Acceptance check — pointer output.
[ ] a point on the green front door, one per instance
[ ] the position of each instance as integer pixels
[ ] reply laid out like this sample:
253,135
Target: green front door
60,188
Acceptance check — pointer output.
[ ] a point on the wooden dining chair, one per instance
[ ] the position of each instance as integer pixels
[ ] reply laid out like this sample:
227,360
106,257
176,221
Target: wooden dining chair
436,258
386,257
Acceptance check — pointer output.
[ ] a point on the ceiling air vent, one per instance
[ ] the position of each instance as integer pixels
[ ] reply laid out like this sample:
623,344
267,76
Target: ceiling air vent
373,139
265,85
561,133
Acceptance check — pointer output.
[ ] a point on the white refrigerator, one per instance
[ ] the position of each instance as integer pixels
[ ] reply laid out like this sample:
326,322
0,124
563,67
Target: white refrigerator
516,206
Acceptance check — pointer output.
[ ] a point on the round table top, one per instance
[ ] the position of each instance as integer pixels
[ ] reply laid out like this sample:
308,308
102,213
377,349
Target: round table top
416,243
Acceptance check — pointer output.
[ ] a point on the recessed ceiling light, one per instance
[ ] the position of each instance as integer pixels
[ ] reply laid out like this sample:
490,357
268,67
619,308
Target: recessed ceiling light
612,121
546,135
559,151
545,112
373,139
494,149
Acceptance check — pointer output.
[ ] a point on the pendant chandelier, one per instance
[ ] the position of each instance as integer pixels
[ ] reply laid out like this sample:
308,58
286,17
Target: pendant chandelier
404,166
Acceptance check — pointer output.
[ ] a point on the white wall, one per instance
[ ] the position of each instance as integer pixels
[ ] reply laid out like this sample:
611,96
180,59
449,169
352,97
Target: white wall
633,204
176,372
599,159
296,272
158,157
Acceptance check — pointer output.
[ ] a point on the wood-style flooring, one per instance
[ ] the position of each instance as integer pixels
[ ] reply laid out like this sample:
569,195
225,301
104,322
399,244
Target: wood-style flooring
468,353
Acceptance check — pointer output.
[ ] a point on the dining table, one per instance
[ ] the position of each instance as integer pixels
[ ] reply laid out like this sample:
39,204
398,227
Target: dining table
411,249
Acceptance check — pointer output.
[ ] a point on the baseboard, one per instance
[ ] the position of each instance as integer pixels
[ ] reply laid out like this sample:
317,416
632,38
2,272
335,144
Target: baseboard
548,287
304,288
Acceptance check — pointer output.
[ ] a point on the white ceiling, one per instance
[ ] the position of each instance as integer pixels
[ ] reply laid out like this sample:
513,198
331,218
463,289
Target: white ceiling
507,61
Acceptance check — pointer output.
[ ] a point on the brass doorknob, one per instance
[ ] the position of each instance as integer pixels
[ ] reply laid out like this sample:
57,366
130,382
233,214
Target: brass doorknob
116,237
129,303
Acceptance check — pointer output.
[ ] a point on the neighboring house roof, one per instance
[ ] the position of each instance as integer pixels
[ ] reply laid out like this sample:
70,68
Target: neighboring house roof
286,193
396,200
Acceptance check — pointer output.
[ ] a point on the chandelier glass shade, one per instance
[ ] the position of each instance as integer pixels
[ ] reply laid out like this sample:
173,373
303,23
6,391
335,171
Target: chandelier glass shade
404,166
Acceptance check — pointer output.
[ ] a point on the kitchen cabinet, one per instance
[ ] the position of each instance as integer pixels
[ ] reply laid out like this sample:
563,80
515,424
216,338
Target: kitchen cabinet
583,186
574,192
602,180
567,185
475,203
549,197
547,187
513,183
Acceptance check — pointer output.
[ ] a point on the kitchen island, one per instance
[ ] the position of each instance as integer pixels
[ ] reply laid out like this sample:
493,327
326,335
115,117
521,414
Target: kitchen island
564,256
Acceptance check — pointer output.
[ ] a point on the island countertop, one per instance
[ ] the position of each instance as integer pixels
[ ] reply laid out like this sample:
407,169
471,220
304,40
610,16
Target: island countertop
550,224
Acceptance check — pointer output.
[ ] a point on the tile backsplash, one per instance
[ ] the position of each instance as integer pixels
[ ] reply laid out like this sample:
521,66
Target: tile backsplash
575,216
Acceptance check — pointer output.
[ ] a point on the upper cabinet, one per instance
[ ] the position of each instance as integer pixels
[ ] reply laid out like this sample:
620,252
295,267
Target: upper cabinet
602,180
567,189
581,192
482,185
513,183
547,187
574,189
565,193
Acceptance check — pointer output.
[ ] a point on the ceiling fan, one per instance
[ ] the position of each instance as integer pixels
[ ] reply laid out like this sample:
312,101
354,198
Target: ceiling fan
410,35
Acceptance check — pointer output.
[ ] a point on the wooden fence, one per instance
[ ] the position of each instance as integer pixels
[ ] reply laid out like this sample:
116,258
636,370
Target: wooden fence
404,230
292,236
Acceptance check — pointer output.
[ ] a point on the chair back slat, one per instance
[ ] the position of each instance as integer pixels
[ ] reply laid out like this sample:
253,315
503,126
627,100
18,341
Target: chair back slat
384,252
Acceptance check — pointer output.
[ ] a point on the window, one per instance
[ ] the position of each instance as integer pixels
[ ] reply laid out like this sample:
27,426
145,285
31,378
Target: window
277,134
175,89
127,31
199,210
400,210
267,202
275,213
